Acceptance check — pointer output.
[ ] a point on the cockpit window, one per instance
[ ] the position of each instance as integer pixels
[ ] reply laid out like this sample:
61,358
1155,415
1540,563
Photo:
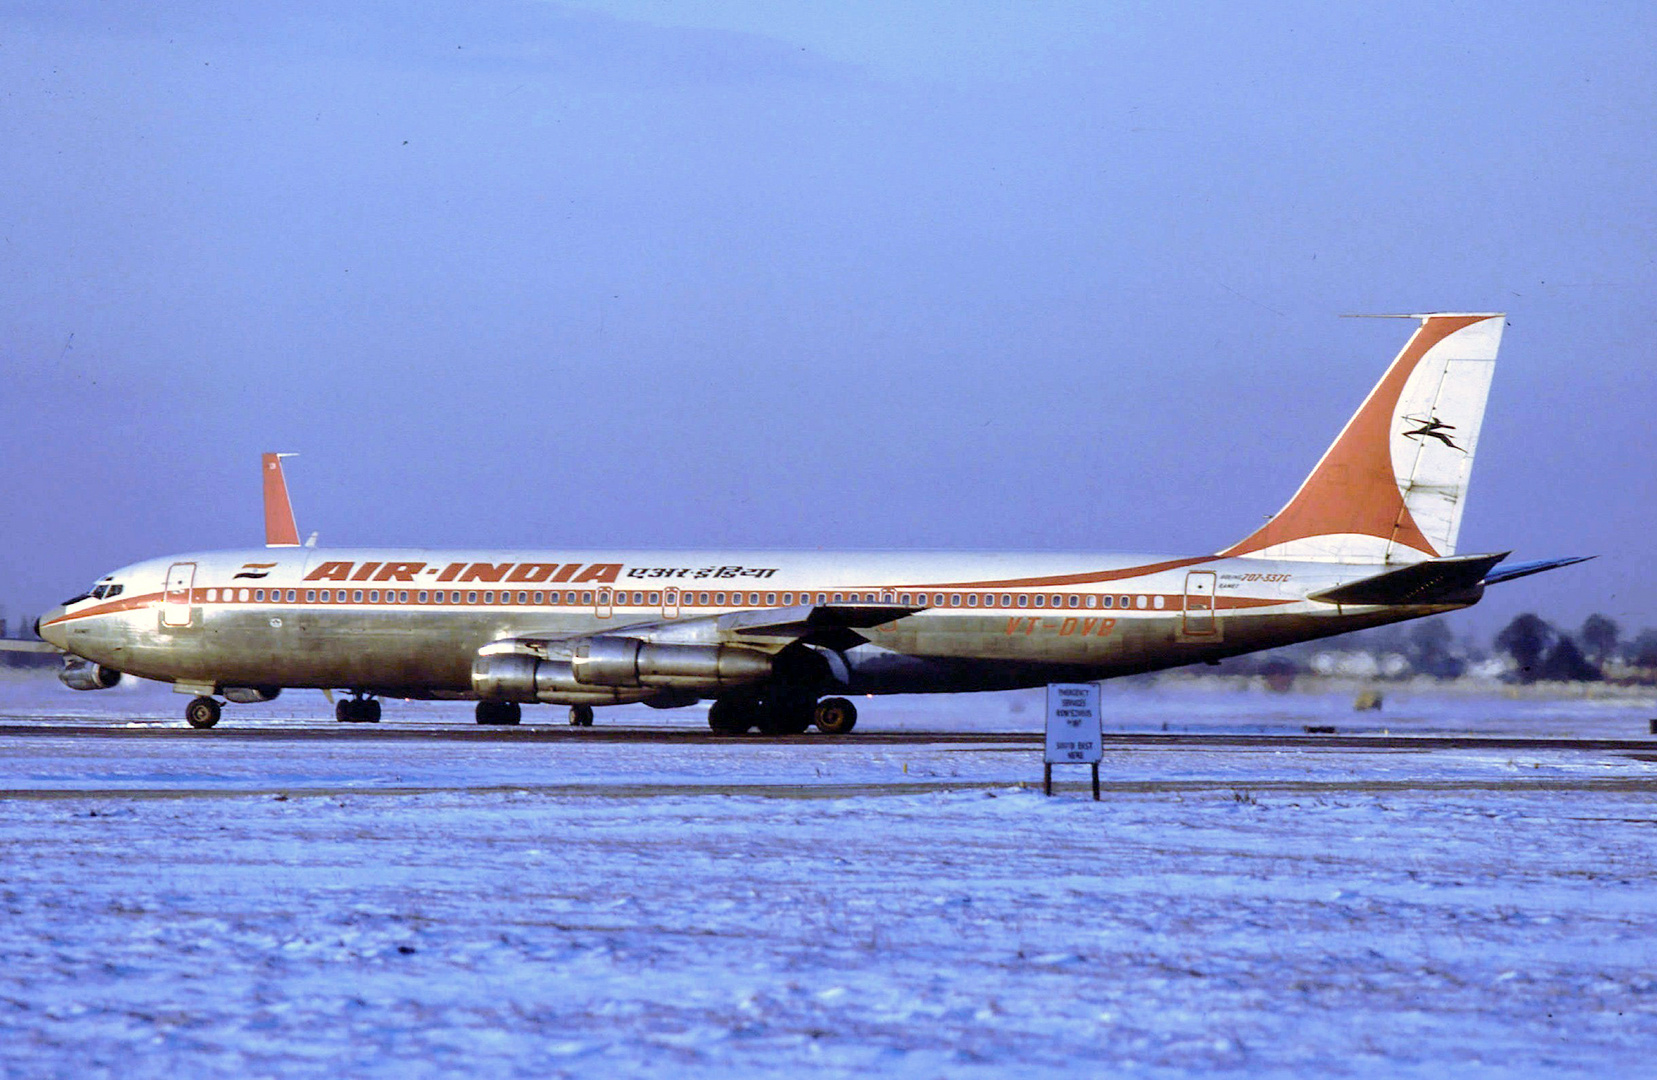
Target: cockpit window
113,592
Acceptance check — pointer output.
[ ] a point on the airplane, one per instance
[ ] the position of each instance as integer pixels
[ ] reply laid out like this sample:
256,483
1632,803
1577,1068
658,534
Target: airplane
775,640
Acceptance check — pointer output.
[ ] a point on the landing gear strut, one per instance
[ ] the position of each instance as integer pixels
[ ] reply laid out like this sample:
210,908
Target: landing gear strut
500,713
357,710
202,712
581,716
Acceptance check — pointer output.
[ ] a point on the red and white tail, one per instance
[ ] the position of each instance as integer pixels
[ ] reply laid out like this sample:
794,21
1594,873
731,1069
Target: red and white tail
280,528
1392,486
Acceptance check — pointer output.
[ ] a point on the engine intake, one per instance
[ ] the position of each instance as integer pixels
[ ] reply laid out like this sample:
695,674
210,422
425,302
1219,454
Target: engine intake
78,674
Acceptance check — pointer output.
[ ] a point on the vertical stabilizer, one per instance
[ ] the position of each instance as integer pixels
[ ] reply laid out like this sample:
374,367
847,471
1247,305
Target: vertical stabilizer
280,528
1393,485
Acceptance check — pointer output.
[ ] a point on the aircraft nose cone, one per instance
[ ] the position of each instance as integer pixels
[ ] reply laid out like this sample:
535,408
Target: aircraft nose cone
47,629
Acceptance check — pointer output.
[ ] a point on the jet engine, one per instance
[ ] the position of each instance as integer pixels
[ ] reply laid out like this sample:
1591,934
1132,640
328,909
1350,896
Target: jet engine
78,674
251,695
615,670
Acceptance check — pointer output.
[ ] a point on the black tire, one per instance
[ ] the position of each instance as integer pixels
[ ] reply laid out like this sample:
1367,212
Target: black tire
369,711
787,715
835,716
342,711
202,712
581,716
499,713
730,716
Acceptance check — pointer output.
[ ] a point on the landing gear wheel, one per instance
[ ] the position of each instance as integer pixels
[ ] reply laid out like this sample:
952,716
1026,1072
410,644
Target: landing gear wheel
202,712
835,716
357,711
729,716
581,716
500,713
787,715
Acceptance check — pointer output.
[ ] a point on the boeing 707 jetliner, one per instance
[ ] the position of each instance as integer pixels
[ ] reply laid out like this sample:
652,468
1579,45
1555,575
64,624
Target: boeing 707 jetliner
1370,538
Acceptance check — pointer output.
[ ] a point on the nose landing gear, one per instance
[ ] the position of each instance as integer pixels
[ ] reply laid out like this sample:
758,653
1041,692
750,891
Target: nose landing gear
202,712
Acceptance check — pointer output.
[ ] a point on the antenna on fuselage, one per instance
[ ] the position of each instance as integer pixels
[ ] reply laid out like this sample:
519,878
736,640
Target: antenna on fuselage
280,528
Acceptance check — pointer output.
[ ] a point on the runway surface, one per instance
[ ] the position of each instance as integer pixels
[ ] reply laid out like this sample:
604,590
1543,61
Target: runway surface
299,731
285,895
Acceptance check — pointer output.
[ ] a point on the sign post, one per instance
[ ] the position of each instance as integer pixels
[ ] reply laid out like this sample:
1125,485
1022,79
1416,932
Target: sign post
1073,730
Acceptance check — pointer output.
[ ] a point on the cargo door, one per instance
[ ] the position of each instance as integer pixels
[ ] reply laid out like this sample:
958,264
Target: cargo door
175,600
1199,603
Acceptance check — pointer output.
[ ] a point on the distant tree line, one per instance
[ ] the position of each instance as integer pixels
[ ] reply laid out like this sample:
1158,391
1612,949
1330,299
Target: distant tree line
1528,649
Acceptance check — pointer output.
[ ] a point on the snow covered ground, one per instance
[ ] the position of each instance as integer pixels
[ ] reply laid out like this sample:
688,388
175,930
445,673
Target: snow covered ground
366,906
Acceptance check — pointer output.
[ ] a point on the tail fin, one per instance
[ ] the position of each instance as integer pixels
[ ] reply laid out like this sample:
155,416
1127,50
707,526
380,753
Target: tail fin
1391,487
280,528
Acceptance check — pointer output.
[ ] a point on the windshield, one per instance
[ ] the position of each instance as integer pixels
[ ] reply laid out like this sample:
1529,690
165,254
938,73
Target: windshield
100,591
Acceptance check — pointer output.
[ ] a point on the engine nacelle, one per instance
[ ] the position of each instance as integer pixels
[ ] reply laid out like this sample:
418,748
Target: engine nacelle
523,677
619,661
251,695
78,674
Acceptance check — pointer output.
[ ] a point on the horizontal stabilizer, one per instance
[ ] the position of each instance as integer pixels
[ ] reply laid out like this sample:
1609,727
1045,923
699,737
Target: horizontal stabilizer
1454,580
1526,569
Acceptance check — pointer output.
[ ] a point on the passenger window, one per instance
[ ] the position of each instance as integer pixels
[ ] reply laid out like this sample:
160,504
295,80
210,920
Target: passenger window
1092,601
1041,601
402,596
212,596
421,597
788,599
523,598
955,601
471,598
655,598
539,598
258,596
1023,599
718,599
972,599
437,597
1157,603
373,596
1139,601
489,597
310,596
822,598
1006,599
1110,601
356,596
1074,601
327,596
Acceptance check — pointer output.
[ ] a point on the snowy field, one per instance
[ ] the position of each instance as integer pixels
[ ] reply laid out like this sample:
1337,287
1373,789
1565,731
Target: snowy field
369,906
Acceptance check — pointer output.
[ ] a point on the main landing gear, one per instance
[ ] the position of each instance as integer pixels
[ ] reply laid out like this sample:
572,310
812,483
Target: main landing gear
202,712
357,710
781,715
581,716
500,713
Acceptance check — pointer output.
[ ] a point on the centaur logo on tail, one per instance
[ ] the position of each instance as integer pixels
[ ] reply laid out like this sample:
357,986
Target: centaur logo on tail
773,638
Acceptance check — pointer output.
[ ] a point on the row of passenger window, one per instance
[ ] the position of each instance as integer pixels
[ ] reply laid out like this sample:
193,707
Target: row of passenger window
700,599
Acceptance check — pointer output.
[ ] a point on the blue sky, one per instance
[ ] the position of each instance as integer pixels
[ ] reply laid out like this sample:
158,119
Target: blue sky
762,274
